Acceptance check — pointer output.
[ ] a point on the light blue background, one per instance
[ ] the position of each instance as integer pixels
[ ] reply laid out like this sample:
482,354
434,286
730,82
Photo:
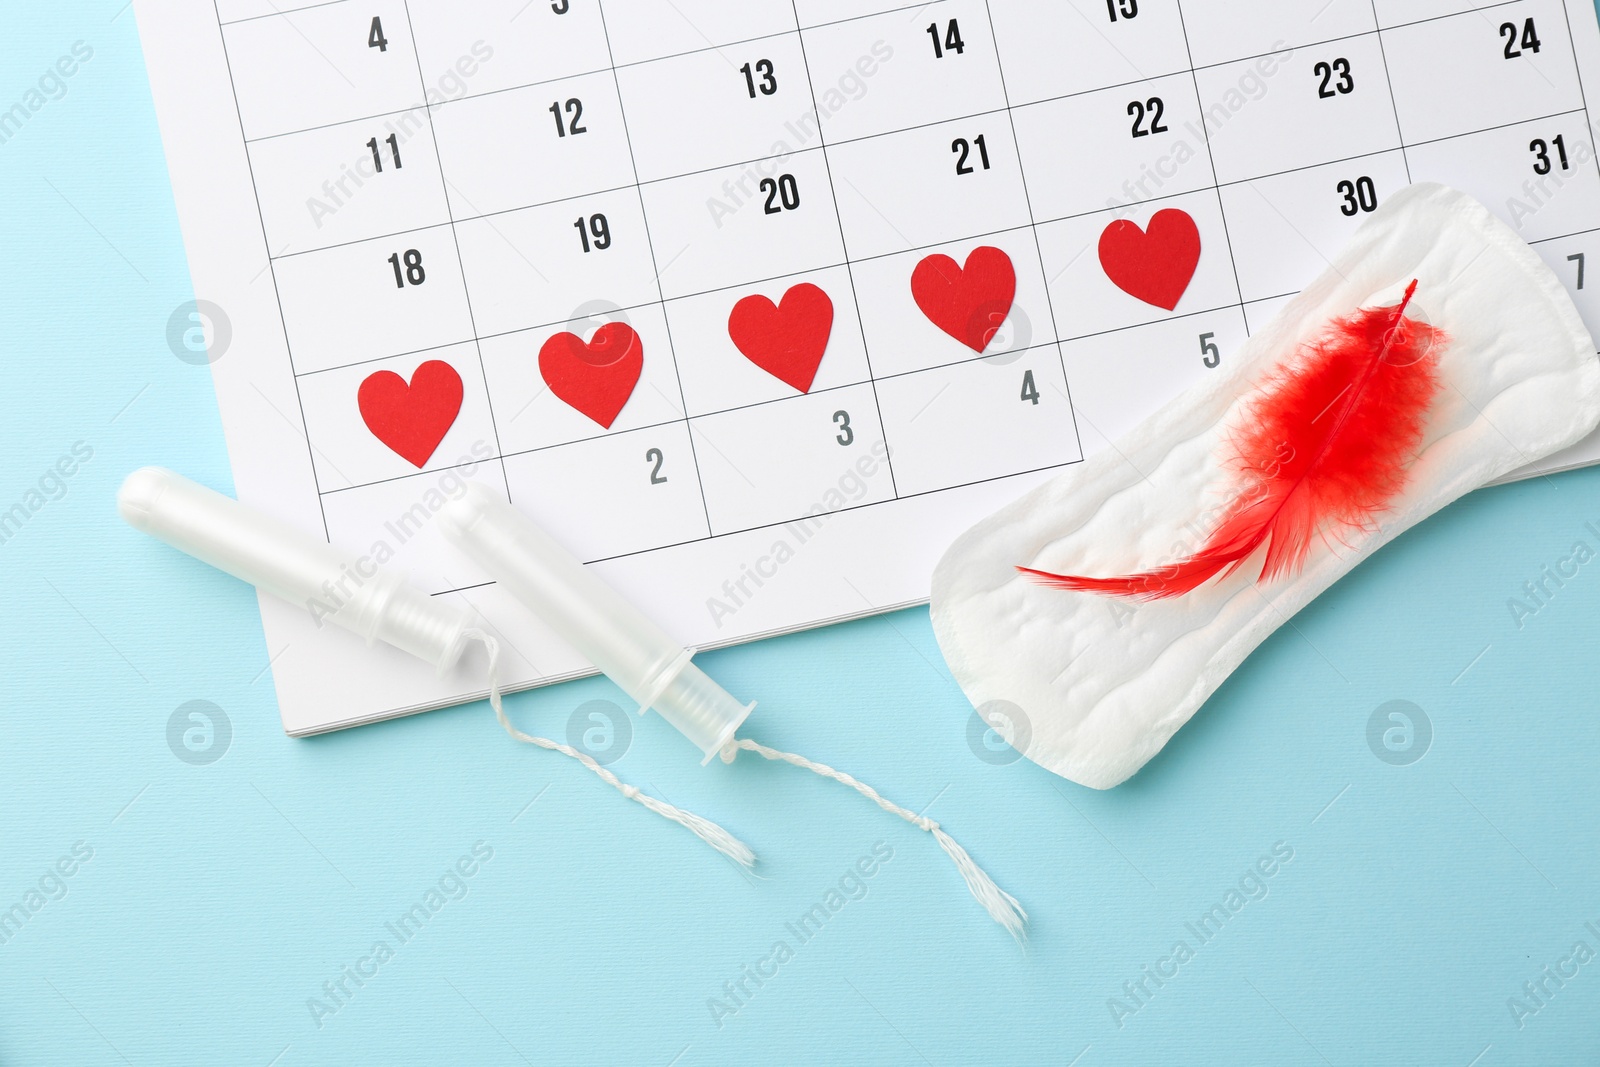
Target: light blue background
220,898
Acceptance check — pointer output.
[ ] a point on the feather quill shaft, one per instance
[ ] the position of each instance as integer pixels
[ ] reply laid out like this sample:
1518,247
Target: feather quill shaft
1326,444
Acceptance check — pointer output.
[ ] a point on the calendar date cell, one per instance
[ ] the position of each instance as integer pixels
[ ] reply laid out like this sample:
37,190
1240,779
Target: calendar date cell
1221,31
934,183
1086,301
1572,257
1077,46
642,30
1285,230
394,294
890,72
1139,142
345,454
1118,379
394,523
1297,109
1487,68
783,340
613,495
748,101
1539,177
515,42
1020,408
791,459
348,182
349,61
901,336
538,265
772,217
533,145
529,414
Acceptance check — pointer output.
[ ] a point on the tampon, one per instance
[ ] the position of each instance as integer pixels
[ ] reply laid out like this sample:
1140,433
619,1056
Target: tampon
373,603
594,618
293,565
650,667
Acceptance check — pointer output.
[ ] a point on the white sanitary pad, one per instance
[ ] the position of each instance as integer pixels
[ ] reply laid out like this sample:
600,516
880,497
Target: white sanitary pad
1093,686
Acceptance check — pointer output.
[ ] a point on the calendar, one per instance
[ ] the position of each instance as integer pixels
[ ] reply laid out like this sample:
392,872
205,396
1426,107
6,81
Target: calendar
757,304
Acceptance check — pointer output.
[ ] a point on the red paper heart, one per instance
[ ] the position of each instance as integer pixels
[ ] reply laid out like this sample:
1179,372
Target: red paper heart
411,419
968,302
1154,264
596,378
786,339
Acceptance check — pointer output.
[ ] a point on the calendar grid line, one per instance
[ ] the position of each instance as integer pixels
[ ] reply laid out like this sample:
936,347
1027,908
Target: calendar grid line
890,376
852,507
780,523
276,14
975,85
606,191
1216,187
1565,236
710,413
1577,70
655,266
833,194
1033,228
444,185
1388,81
1057,337
277,293
822,25
1061,340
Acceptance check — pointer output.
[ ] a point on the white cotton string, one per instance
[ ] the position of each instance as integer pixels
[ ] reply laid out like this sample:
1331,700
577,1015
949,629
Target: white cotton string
1001,906
704,829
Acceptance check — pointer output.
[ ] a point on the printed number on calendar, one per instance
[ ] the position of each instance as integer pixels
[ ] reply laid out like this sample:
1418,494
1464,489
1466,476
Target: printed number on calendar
1541,153
573,124
963,149
1359,195
760,78
952,39
1030,391
655,456
594,232
1153,109
1343,86
783,194
1528,43
413,273
393,141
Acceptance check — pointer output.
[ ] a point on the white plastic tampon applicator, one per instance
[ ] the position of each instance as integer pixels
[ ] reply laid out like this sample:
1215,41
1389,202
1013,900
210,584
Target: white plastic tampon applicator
646,663
376,604
287,563
594,618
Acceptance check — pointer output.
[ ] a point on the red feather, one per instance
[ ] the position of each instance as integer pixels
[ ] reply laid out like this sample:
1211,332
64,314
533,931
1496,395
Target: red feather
1326,445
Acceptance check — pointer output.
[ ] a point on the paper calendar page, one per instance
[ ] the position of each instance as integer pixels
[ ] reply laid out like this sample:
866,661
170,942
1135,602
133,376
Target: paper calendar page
757,304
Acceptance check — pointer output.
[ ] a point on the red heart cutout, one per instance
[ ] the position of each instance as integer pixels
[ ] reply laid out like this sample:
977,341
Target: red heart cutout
968,302
1154,264
596,378
411,419
786,339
